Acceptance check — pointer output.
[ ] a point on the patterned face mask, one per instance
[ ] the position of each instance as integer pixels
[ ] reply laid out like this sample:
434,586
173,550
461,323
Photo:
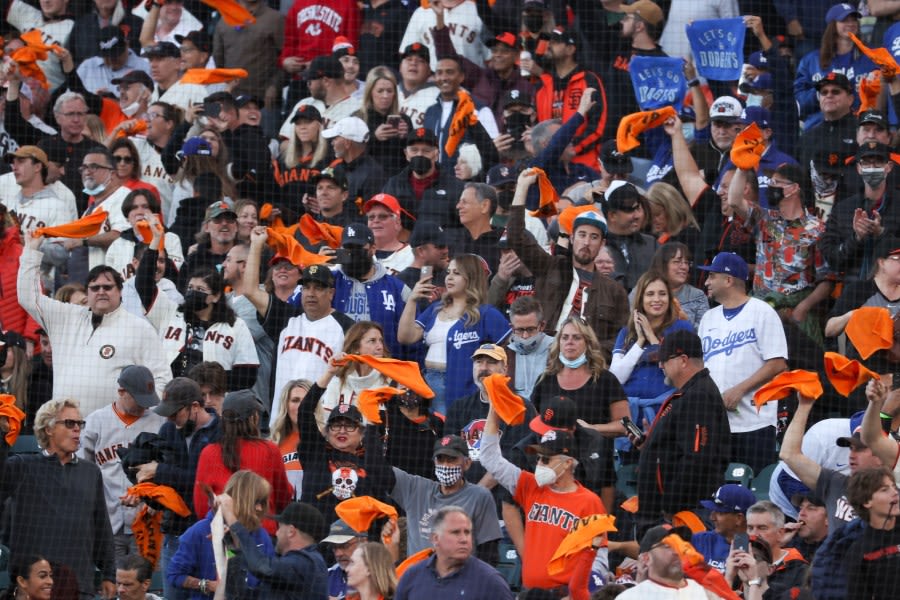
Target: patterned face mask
447,475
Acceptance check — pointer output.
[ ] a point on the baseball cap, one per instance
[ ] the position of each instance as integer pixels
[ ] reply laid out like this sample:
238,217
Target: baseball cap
385,200
888,245
427,232
342,46
416,49
179,393
278,257
501,175
838,79
758,59
613,160
245,99
730,498
162,50
621,195
134,76
196,146
241,405
112,42
553,441
871,148
559,413
421,135
841,11
335,173
55,148
138,381
726,108
32,152
352,128
340,533
219,208
875,117
324,65
491,351
655,535
681,342
12,338
828,163
451,445
646,9
308,112
798,498
855,438
317,274
199,38
758,115
728,263
305,517
560,34
757,543
506,38
345,411
591,217
357,234
761,83
515,97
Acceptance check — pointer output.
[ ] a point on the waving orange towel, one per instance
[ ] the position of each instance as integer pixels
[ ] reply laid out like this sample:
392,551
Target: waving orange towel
880,56
846,375
636,123
162,494
411,560
567,217
209,76
748,147
26,58
286,245
84,227
142,229
148,537
695,567
139,127
317,233
359,512
265,214
369,401
14,416
35,40
869,91
509,406
463,118
870,329
404,372
233,13
805,382
689,519
580,537
549,196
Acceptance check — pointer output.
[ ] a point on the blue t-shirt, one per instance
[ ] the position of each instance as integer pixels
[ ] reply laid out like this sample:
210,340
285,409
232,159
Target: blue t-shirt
713,547
647,379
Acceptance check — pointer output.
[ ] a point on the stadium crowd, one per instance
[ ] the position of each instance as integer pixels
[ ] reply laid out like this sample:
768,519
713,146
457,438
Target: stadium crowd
515,298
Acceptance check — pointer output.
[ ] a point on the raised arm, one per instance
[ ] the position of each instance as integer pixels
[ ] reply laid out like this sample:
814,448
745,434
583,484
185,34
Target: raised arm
884,447
259,298
506,473
736,198
692,183
791,453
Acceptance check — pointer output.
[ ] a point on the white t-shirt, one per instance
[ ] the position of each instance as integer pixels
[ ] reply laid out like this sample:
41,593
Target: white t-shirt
465,32
650,590
735,349
331,115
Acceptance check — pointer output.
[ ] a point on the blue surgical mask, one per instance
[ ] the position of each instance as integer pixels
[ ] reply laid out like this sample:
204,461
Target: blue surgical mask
688,130
754,100
96,190
573,363
526,346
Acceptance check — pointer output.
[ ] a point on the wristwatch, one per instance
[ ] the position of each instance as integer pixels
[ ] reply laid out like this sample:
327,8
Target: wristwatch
756,581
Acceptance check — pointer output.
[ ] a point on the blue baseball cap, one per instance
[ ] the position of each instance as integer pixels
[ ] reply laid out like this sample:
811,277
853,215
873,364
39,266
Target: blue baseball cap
196,146
761,83
758,115
728,263
841,11
730,498
758,60
591,217
855,437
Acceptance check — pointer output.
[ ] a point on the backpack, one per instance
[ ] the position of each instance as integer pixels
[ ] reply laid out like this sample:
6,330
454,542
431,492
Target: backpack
829,568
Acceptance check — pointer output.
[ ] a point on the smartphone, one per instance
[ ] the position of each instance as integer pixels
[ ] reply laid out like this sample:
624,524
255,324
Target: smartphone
633,429
341,256
427,273
394,121
741,542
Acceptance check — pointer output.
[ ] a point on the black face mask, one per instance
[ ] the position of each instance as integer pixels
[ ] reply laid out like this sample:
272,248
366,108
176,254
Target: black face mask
420,165
516,123
190,426
505,198
775,195
195,300
359,265
533,22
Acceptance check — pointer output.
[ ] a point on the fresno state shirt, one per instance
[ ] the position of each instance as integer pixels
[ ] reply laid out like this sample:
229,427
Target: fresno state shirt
311,26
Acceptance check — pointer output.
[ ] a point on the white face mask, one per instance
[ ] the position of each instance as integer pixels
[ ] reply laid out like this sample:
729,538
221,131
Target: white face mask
131,109
573,363
544,475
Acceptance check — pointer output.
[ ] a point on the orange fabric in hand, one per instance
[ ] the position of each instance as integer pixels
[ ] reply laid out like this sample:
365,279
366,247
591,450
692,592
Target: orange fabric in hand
805,382
34,39
567,217
233,13
579,537
317,233
404,372
510,407
870,329
359,512
210,76
265,213
162,494
636,123
139,127
411,560
869,90
463,117
142,229
148,537
286,245
26,58
84,227
748,147
369,401
549,197
880,56
846,375
14,416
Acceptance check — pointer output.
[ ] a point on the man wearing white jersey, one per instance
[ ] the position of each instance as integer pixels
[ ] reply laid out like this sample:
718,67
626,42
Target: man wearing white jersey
744,346
325,78
465,26
36,204
414,93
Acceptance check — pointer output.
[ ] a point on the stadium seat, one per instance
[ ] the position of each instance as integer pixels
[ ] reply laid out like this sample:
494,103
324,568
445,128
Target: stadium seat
739,473
760,484
626,480
25,444
510,566
156,584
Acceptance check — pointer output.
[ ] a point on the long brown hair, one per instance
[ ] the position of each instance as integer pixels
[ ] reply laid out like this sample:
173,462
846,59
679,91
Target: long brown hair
234,431
471,267
248,489
640,287
353,338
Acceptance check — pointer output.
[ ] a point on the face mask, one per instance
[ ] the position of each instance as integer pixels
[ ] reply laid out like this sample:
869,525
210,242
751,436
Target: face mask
574,363
194,300
359,265
823,185
446,475
544,475
190,426
775,195
98,187
131,109
754,100
688,129
533,22
420,165
873,176
527,346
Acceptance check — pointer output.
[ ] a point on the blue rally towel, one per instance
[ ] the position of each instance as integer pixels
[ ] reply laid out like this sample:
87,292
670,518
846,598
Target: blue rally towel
658,81
718,47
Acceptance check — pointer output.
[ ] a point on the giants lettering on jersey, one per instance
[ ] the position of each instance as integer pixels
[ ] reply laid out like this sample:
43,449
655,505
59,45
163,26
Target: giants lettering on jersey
107,454
416,116
552,515
323,14
225,341
290,457
728,344
307,344
460,338
28,222
157,173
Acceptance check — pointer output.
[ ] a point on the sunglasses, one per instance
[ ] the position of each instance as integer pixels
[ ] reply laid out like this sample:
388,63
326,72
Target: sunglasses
72,423
106,287
123,159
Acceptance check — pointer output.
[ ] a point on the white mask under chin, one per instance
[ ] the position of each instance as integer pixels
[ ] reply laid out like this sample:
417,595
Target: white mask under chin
131,109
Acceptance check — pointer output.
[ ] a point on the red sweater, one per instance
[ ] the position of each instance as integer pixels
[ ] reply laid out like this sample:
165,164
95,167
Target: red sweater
12,315
311,26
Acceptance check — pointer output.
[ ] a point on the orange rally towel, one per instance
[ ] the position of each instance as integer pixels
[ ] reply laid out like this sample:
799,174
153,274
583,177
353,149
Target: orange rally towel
233,13
34,39
580,537
869,90
880,56
370,400
316,232
748,147
26,58
287,245
210,76
139,127
359,512
805,382
265,213
509,406
631,505
148,537
162,494
846,375
870,329
411,560
404,372
636,123
549,197
463,118
84,227
567,217
14,416
711,580
686,518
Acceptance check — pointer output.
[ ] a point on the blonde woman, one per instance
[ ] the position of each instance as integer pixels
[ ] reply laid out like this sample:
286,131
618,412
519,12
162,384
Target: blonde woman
387,126
285,432
303,155
671,218
371,573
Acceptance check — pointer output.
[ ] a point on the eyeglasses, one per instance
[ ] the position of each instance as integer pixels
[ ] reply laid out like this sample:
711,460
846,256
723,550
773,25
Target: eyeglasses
379,217
346,426
74,115
106,287
72,423
831,92
224,219
92,167
681,261
525,330
155,115
123,159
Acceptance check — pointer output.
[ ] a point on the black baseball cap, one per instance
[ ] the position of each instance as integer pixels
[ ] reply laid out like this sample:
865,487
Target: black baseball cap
427,232
501,175
308,112
451,445
871,148
416,49
162,50
614,161
838,79
560,34
317,274
240,405
875,117
512,97
655,535
421,135
134,76
179,393
559,413
623,196
345,411
681,342
335,173
304,517
245,99
112,42
324,65
357,234
198,38
553,442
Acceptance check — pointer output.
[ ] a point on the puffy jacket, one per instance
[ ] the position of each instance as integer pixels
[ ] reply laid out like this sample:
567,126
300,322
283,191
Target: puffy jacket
829,567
